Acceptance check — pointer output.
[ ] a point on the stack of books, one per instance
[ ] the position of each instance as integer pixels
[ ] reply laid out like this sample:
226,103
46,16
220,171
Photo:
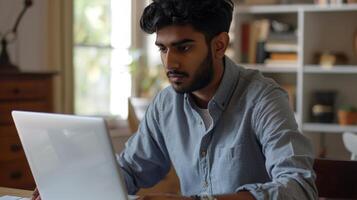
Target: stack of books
282,49
281,59
252,35
269,42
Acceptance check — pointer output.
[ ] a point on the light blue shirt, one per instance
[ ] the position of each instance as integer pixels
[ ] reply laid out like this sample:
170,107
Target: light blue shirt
253,144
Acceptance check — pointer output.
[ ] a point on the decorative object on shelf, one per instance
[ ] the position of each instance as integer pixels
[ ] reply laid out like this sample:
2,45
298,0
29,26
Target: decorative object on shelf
351,1
8,37
329,59
347,115
281,45
323,106
350,142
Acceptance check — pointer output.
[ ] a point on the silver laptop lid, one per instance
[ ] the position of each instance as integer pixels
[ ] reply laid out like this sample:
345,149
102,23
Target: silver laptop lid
71,157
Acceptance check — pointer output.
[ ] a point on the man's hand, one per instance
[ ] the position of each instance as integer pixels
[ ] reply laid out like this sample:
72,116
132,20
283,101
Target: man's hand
36,195
164,197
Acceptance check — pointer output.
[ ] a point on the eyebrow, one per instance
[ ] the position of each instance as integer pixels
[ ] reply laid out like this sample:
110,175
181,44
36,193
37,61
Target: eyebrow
178,43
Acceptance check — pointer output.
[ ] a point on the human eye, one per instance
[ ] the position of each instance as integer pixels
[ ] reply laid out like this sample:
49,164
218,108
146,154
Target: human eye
184,48
162,49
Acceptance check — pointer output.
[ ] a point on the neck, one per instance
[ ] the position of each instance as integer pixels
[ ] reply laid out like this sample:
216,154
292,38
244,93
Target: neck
204,95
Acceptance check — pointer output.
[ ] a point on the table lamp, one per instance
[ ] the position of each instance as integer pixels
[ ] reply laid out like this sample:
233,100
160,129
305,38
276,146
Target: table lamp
9,37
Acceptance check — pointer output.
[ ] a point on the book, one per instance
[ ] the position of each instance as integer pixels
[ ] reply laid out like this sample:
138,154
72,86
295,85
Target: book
282,37
245,32
261,54
280,63
253,39
283,56
259,31
281,47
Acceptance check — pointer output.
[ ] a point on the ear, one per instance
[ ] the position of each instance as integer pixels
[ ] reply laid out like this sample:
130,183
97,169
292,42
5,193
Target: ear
220,44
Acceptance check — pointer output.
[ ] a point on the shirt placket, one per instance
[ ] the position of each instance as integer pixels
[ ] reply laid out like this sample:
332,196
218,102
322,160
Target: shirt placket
204,164
205,151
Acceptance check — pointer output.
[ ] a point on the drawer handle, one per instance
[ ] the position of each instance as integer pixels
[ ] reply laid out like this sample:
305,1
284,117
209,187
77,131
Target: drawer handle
15,148
16,175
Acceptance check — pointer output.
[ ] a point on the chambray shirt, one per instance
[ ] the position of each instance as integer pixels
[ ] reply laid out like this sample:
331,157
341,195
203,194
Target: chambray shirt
253,143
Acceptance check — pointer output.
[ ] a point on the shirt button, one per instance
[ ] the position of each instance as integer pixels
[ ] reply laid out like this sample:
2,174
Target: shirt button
203,153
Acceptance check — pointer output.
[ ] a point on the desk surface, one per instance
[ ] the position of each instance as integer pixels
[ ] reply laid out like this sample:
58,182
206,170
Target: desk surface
15,192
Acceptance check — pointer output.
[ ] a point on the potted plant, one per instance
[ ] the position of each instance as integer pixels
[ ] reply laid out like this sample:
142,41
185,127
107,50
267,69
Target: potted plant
347,115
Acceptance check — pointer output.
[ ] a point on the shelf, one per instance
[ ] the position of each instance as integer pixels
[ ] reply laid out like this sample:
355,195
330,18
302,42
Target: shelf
268,9
330,8
328,128
294,8
339,69
263,68
312,22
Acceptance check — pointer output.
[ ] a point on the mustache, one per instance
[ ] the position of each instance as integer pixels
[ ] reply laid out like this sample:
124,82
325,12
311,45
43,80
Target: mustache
176,73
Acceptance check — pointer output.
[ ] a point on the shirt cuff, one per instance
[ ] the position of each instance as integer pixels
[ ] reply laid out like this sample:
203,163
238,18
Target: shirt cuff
255,190
131,188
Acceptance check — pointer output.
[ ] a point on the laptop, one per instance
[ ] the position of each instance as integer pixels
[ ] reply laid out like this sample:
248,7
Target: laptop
71,157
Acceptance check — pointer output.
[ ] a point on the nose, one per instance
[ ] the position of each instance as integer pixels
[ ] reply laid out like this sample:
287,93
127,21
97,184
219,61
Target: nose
170,60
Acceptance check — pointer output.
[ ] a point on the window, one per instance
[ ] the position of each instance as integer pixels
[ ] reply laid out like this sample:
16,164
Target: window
102,38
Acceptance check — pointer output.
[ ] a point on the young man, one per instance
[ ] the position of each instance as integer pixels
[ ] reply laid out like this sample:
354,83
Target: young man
228,131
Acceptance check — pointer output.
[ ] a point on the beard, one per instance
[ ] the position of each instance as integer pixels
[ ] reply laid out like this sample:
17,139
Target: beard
200,79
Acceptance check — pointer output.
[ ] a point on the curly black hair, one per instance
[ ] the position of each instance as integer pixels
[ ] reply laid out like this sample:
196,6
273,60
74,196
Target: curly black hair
209,17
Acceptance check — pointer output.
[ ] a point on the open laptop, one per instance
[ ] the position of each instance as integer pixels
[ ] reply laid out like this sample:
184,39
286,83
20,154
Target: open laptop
71,157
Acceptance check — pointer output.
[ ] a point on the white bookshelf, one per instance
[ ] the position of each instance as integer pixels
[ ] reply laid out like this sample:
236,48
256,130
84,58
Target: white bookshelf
338,69
267,9
276,69
294,8
327,128
319,29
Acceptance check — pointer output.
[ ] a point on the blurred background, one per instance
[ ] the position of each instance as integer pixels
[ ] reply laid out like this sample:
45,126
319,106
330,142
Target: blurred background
89,57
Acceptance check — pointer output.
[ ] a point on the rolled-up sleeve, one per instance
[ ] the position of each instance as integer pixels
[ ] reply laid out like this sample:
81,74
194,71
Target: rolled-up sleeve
289,155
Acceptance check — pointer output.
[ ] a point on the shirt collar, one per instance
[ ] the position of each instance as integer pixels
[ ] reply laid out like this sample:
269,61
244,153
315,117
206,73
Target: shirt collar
226,86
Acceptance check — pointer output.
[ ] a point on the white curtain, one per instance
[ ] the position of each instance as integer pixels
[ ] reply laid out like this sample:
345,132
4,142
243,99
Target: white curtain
60,52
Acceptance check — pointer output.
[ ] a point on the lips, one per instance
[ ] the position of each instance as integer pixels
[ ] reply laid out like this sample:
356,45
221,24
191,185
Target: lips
176,79
175,76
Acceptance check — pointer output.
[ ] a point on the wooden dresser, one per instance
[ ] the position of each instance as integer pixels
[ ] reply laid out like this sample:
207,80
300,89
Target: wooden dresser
20,91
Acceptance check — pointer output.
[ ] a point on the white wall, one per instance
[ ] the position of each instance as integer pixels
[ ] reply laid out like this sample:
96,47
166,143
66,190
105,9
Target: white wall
29,51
